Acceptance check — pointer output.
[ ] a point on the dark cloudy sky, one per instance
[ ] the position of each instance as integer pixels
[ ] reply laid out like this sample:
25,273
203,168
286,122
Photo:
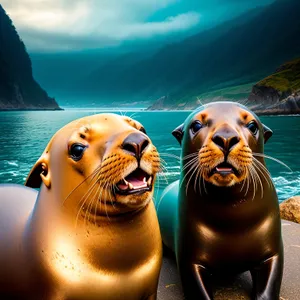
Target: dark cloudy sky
60,25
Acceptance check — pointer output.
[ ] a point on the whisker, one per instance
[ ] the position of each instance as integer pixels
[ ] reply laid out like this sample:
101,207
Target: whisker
190,162
162,166
83,200
91,175
190,155
192,171
133,115
164,176
190,165
98,199
253,181
248,182
201,173
259,181
162,161
272,158
81,207
244,181
197,179
111,200
88,208
105,206
203,180
191,176
156,195
260,167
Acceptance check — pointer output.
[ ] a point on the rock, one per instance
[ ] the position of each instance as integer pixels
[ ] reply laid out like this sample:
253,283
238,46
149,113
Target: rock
290,209
263,96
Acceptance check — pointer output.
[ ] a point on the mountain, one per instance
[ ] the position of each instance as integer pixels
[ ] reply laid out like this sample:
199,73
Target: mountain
18,89
148,78
237,52
278,93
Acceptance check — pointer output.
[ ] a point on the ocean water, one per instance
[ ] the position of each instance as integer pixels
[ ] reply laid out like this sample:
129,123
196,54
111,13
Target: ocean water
24,135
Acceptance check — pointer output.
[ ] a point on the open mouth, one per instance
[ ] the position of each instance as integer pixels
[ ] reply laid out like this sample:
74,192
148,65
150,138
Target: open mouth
224,169
136,182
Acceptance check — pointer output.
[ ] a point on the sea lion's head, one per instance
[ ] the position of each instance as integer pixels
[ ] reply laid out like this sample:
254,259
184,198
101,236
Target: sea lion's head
218,142
103,164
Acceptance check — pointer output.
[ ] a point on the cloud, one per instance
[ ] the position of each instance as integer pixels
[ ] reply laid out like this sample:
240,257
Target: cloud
81,24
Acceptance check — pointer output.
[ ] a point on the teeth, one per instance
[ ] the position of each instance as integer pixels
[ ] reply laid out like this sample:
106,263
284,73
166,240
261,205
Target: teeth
126,182
130,185
149,180
144,180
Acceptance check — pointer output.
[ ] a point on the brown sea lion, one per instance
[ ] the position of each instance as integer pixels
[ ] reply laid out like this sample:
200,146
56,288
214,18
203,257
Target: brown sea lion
222,218
91,232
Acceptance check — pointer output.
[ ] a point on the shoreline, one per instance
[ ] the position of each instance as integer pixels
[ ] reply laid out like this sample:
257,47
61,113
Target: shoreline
31,109
259,113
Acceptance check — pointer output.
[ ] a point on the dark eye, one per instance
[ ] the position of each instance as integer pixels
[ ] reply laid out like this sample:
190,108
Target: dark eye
252,126
142,129
196,126
76,151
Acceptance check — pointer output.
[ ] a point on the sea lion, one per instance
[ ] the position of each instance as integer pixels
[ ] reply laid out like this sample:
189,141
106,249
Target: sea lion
222,218
91,232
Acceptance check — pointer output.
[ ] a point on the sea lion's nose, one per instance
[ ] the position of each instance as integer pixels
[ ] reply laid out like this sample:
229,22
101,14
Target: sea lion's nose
135,143
226,139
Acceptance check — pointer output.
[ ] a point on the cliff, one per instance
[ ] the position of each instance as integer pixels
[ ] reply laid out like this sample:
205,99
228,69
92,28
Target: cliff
18,89
278,93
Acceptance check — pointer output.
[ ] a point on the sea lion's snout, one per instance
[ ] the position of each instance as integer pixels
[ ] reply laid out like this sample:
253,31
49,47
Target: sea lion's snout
226,138
135,144
232,155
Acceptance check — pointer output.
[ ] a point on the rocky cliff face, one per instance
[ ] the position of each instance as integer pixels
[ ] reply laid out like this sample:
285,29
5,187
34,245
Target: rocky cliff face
18,89
278,93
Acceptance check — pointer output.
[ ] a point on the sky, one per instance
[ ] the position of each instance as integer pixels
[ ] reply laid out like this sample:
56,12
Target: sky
75,25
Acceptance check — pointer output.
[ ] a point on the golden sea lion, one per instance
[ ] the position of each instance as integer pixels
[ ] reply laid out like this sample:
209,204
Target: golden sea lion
91,232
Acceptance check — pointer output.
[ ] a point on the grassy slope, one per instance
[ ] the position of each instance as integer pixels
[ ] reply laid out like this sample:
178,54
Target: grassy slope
235,93
285,79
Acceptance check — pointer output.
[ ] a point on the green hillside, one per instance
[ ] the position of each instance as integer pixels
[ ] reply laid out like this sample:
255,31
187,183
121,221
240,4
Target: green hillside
286,79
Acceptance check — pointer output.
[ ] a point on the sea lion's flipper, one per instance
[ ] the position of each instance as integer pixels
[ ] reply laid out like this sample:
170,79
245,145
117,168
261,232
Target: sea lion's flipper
267,279
196,282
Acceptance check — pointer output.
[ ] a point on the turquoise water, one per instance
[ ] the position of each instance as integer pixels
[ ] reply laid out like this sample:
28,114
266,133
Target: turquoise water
24,135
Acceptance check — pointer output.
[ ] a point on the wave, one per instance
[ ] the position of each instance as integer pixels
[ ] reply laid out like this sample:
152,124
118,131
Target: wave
173,149
12,163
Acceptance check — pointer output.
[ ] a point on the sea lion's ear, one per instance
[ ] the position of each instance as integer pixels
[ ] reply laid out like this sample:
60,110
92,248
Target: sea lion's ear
178,133
40,172
267,132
